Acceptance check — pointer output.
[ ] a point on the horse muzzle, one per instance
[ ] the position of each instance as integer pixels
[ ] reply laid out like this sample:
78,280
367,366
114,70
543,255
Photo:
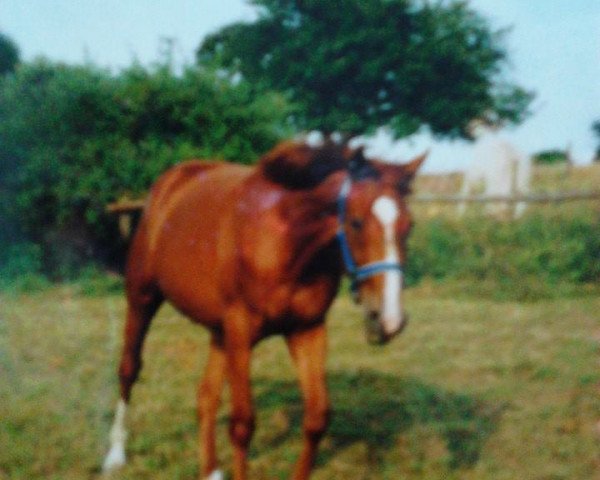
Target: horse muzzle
376,331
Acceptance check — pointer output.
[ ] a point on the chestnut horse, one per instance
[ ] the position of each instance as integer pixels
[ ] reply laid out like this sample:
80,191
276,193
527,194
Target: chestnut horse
250,252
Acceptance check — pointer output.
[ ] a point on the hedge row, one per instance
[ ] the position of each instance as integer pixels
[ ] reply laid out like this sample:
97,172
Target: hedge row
535,253
74,138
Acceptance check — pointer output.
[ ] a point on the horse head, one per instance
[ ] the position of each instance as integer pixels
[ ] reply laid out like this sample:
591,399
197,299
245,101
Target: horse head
374,224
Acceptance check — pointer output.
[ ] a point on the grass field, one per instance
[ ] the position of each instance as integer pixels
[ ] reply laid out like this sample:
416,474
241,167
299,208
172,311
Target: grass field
472,390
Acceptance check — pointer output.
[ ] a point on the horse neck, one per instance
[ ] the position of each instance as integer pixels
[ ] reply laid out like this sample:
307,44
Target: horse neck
313,219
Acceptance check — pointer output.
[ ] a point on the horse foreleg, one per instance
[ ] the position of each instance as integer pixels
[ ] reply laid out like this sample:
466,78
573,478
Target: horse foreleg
140,311
209,397
308,349
238,345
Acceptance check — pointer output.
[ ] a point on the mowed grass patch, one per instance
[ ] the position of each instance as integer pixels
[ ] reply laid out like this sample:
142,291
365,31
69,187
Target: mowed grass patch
474,389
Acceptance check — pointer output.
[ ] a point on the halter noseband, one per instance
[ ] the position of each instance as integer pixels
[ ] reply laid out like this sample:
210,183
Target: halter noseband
357,274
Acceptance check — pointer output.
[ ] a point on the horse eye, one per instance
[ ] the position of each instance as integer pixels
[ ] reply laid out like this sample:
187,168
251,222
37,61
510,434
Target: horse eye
356,224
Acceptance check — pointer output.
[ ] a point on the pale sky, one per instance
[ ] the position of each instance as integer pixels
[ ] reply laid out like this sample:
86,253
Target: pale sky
554,49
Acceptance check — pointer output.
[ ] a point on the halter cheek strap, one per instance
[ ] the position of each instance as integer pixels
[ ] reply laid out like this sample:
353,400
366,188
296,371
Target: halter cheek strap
357,273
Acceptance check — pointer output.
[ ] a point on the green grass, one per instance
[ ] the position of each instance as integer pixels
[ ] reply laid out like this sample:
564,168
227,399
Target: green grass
474,390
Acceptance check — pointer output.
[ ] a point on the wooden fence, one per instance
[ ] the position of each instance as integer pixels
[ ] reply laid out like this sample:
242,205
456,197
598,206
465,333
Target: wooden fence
551,197
125,206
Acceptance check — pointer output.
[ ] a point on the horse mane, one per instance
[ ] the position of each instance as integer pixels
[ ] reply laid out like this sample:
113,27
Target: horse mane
297,165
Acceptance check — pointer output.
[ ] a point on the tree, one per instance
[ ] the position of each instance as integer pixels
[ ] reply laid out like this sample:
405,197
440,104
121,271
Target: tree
9,55
596,130
551,157
362,65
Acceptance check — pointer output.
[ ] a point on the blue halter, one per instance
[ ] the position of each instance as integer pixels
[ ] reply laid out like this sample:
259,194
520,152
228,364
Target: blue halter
357,274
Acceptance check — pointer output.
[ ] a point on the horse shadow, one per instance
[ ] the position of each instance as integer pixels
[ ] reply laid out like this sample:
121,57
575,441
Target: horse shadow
376,409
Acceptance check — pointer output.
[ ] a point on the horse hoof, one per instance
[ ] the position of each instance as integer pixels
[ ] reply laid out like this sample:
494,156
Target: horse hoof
216,475
114,460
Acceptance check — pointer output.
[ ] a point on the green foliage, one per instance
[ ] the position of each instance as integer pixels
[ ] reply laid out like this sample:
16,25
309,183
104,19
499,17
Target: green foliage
523,259
74,138
9,55
19,258
21,268
362,65
596,130
94,282
550,157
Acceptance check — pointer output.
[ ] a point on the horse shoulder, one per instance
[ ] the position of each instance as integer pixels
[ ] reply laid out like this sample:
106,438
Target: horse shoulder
281,236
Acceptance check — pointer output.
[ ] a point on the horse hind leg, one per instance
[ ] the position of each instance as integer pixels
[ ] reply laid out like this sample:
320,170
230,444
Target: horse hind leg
141,308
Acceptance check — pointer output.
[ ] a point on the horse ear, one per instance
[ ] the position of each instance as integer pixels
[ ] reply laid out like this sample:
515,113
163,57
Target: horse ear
408,172
410,168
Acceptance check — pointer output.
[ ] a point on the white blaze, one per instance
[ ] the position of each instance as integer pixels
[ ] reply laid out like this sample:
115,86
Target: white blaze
387,212
116,455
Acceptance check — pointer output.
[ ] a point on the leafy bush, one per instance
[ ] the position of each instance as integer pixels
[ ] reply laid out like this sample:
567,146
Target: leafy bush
551,157
9,55
21,267
596,131
522,259
74,138
93,281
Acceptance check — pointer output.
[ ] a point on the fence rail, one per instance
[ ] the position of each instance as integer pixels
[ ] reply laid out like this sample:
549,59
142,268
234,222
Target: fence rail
550,197
125,206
